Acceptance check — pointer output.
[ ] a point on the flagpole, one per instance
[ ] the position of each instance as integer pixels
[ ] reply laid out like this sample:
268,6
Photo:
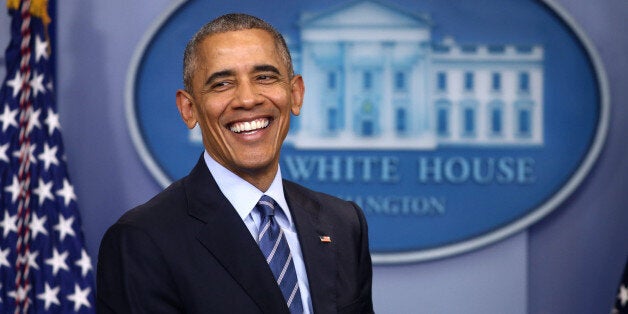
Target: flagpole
22,285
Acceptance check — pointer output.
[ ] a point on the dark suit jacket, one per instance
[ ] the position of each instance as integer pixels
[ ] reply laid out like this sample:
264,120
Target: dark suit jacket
187,251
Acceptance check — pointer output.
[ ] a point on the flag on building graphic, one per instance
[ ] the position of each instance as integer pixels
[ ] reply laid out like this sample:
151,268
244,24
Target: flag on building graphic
44,267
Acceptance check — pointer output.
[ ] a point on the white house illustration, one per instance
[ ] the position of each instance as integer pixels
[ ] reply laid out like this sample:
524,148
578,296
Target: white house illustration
375,79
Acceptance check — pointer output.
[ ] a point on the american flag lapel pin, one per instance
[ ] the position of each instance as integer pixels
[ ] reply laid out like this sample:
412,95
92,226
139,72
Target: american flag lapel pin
325,239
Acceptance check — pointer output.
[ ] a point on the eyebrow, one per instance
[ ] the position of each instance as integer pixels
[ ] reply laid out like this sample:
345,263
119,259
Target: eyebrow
266,68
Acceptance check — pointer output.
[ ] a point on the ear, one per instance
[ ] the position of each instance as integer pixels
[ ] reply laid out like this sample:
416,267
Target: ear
185,104
298,90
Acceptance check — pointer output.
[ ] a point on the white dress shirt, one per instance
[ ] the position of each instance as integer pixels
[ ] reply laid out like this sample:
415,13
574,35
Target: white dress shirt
244,197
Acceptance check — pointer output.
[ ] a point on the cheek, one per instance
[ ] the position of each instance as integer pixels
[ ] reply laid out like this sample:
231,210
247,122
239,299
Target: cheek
210,128
210,112
281,99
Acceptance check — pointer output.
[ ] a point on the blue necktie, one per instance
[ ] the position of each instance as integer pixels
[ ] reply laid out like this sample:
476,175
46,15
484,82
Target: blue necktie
272,242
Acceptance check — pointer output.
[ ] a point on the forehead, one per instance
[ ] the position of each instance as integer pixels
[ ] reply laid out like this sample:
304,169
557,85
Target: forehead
229,50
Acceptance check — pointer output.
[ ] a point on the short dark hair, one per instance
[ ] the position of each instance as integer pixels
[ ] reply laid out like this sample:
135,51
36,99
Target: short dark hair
228,23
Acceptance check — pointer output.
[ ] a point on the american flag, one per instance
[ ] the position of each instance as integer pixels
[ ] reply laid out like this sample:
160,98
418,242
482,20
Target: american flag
44,267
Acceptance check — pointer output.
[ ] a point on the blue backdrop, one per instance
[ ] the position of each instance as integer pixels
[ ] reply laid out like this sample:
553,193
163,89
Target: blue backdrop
569,262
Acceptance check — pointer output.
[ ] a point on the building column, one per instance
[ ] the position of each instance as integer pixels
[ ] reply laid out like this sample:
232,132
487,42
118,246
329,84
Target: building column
387,120
347,132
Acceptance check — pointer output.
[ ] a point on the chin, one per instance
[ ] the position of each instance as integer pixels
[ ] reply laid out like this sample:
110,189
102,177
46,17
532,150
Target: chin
255,164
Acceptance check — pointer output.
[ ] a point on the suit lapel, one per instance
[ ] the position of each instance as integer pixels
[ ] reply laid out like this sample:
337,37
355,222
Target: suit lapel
226,237
319,257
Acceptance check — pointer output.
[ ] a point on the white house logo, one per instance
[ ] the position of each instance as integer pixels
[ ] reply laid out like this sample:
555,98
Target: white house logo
452,124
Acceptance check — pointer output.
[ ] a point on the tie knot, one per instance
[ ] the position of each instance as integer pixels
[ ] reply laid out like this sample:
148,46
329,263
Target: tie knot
266,206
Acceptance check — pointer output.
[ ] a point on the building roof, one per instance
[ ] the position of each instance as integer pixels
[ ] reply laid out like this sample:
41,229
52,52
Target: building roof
364,14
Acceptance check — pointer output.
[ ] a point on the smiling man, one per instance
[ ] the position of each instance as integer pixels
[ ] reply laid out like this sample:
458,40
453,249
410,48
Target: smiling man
233,236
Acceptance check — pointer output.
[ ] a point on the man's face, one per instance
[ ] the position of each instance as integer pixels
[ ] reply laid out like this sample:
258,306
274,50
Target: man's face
242,99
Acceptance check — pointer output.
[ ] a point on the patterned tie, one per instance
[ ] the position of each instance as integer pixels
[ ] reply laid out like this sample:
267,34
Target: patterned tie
273,244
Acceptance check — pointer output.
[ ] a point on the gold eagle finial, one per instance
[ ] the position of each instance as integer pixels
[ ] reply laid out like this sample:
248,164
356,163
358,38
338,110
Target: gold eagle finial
39,9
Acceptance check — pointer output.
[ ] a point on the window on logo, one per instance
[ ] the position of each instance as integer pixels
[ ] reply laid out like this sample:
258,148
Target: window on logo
400,81
367,119
524,125
441,81
443,109
524,118
331,80
332,120
401,120
468,117
469,121
496,118
496,82
524,82
367,128
443,122
367,80
496,121
468,81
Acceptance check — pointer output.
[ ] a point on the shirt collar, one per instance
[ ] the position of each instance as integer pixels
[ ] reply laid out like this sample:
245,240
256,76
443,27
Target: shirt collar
243,195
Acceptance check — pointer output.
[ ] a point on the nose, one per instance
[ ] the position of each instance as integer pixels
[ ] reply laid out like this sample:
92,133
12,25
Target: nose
247,96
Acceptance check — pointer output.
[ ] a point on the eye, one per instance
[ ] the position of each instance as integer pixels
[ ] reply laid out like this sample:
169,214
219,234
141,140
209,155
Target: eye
266,78
221,85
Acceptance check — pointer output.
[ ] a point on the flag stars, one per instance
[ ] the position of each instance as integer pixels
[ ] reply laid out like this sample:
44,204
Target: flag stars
64,227
41,48
49,296
44,191
4,260
37,84
8,118
49,156
21,294
31,152
79,297
31,259
16,83
85,263
8,224
67,192
57,261
33,121
52,120
3,152
623,295
38,225
14,189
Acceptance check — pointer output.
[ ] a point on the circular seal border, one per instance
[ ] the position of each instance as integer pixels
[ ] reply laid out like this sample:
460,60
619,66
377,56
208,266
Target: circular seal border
429,254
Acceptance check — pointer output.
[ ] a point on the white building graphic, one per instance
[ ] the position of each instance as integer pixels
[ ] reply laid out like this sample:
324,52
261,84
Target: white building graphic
375,79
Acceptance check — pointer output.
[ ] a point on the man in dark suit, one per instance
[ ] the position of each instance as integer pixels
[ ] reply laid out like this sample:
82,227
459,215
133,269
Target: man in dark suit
199,246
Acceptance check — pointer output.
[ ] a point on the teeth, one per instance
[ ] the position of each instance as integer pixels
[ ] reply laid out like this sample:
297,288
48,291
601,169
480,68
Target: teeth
249,126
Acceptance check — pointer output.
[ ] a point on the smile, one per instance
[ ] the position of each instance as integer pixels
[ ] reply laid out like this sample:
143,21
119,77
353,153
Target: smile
249,126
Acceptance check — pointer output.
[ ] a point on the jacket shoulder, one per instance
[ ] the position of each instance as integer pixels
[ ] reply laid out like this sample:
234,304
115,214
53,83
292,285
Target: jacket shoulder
164,207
